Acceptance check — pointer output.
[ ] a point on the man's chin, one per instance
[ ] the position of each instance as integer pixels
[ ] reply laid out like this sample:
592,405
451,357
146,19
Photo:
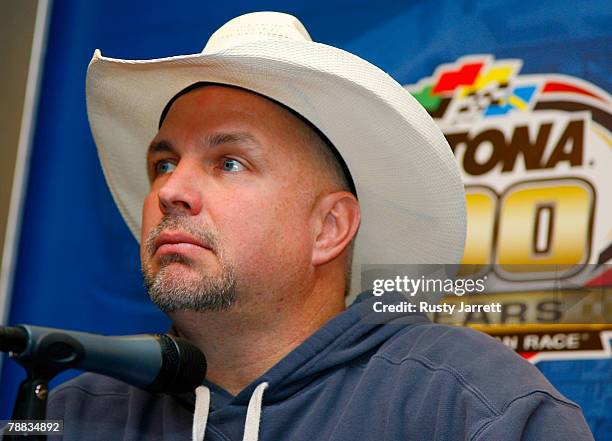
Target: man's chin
176,291
183,284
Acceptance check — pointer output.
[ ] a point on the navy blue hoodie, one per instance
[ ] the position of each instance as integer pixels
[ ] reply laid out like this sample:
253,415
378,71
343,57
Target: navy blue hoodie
407,380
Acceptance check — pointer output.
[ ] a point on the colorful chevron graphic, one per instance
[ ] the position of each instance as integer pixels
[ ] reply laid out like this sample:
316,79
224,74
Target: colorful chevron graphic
478,86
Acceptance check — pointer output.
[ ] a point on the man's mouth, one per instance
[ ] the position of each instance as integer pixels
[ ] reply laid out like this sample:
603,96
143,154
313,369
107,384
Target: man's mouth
178,242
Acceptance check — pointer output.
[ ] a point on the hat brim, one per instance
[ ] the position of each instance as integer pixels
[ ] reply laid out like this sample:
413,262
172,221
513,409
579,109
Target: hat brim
409,186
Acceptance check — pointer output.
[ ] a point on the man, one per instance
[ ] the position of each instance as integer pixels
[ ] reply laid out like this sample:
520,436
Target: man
274,166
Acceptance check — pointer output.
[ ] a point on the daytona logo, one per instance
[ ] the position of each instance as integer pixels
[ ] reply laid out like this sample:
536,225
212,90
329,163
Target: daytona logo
535,153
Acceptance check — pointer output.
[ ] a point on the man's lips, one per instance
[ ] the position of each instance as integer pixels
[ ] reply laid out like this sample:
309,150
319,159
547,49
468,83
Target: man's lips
177,242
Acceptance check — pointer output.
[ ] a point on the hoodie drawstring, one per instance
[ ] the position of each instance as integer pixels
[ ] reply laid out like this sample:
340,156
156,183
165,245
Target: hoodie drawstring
253,416
200,414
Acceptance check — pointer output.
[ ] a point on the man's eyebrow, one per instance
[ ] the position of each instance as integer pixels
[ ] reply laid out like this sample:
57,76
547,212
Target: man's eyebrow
217,139
209,141
161,146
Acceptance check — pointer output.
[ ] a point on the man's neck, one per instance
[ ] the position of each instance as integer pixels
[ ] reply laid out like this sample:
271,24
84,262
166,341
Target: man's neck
244,342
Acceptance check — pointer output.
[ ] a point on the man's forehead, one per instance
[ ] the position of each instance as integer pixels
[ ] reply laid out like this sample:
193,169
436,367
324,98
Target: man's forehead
212,115
230,94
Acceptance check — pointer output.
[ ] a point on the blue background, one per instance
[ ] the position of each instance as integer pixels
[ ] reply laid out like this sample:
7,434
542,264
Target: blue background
78,265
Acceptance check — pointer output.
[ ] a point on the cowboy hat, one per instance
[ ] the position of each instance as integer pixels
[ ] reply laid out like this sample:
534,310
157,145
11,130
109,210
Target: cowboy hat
406,177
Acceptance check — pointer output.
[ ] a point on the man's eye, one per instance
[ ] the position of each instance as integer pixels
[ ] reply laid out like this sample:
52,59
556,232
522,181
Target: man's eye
232,165
163,167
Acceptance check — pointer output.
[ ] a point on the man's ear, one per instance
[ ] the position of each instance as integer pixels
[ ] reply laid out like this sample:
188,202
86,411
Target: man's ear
337,218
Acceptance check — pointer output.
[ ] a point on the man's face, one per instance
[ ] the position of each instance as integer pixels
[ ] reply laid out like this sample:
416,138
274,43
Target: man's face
228,215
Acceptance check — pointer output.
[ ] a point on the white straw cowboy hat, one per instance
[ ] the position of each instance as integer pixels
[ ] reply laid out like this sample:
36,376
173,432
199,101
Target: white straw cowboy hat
406,177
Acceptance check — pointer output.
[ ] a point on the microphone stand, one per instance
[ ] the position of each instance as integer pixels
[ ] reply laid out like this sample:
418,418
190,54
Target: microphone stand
31,400
53,354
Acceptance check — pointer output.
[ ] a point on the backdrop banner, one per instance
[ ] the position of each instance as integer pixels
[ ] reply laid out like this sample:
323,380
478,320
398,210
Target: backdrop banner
521,91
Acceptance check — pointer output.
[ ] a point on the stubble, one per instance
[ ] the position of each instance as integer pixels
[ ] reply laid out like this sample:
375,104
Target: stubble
204,289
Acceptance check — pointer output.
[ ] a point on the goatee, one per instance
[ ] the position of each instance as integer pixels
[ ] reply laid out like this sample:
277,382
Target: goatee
203,292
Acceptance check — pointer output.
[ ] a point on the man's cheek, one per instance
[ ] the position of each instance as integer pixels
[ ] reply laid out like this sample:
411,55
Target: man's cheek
150,212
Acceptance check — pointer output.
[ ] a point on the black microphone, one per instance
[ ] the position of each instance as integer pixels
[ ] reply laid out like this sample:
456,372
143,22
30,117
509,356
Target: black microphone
153,362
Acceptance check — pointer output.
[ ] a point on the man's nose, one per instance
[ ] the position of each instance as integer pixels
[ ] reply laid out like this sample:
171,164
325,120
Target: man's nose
179,194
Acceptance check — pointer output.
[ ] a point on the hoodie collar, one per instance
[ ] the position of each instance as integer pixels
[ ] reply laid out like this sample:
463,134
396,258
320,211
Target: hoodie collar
351,335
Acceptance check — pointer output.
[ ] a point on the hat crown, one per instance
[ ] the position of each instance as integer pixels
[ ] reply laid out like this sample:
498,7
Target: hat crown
256,26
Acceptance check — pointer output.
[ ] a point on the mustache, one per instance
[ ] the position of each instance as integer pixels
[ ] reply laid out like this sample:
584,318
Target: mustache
185,224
